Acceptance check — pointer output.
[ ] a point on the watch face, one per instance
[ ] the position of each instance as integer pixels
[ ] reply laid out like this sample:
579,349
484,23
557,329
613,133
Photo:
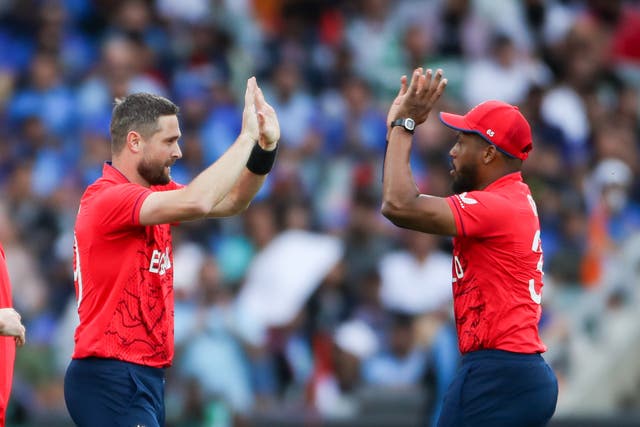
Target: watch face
409,124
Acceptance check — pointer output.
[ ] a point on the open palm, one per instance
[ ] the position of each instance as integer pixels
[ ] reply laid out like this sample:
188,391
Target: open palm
268,125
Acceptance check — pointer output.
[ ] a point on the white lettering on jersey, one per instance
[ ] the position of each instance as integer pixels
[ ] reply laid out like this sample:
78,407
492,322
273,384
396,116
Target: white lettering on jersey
536,247
464,200
458,269
77,272
536,297
534,208
160,262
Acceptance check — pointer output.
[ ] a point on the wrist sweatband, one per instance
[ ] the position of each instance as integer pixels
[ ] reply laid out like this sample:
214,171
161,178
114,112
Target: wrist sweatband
261,161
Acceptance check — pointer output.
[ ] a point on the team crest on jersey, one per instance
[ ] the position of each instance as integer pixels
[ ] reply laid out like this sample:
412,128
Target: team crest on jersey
160,262
465,200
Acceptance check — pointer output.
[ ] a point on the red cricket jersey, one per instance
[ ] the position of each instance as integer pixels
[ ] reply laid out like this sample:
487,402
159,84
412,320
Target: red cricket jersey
497,268
123,275
7,344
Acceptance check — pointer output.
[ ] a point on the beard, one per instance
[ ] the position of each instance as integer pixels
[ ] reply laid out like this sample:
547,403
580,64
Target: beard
465,178
154,173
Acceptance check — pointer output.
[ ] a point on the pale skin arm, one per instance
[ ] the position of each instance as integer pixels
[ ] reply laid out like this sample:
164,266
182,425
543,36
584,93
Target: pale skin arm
246,187
11,325
226,187
402,202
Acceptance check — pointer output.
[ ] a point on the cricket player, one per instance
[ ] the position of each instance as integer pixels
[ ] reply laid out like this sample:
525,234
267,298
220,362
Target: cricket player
123,265
503,381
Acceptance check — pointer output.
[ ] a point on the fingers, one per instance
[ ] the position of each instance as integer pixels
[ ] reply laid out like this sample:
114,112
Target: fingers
436,80
403,87
21,338
438,86
428,78
439,90
261,122
250,93
415,80
422,84
430,85
260,102
417,100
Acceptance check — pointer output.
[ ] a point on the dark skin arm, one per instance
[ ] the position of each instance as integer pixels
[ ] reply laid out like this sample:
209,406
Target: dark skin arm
402,202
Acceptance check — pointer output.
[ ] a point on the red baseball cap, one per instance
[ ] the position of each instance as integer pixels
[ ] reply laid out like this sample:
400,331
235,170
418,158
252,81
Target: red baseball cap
498,123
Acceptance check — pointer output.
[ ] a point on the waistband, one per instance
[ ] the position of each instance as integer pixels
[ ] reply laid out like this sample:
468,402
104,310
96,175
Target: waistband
500,355
120,364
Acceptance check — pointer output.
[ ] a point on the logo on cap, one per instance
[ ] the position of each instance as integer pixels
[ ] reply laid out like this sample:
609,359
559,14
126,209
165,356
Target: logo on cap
490,132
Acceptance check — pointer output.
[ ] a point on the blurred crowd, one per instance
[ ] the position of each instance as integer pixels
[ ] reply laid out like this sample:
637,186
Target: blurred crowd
310,300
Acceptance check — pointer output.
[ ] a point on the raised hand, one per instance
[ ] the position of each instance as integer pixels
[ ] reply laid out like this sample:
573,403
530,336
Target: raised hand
250,125
395,105
268,125
10,325
417,100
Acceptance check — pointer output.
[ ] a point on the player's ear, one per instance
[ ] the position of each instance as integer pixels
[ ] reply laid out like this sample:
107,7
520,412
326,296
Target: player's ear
134,141
489,154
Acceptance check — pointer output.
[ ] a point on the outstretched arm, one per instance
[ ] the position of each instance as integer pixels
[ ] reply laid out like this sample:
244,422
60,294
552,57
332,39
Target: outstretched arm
248,184
402,202
205,194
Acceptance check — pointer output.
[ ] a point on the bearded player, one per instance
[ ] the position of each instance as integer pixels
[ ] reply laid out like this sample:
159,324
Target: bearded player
503,381
124,258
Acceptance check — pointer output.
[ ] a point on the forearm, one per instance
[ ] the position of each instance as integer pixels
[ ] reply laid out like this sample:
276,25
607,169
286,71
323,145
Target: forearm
399,190
240,196
402,202
213,184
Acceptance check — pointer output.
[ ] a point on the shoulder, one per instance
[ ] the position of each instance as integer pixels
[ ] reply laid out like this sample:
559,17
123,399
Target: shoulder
481,199
107,189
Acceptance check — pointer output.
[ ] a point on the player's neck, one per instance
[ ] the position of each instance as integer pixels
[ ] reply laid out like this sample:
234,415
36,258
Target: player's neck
492,176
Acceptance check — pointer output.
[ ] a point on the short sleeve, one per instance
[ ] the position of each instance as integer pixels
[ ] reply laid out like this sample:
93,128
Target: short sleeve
119,206
478,213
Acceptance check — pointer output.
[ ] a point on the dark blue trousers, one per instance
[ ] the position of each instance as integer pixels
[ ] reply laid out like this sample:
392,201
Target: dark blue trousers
494,388
107,392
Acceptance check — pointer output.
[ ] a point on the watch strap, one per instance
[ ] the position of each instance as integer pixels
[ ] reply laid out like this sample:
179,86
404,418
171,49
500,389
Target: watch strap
402,122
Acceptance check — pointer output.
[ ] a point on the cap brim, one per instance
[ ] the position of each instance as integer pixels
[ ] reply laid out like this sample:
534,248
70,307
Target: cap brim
455,121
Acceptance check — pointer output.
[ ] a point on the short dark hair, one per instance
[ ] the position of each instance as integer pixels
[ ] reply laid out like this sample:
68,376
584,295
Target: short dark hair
137,112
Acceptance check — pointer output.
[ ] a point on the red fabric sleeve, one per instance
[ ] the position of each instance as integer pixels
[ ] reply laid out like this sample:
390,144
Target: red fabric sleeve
7,344
478,213
7,357
119,205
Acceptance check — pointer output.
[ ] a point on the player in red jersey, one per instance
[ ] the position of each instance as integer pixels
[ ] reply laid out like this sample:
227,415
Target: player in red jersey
497,256
12,333
123,266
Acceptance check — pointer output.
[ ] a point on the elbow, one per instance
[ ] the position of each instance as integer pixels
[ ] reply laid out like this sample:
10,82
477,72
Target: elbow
235,203
198,209
401,212
240,206
195,205
392,211
229,206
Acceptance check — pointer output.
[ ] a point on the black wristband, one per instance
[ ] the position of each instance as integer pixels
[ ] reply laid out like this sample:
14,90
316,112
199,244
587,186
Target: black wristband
261,161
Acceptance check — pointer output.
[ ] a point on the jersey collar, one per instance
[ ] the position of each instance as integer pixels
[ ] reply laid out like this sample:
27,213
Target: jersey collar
504,181
110,172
